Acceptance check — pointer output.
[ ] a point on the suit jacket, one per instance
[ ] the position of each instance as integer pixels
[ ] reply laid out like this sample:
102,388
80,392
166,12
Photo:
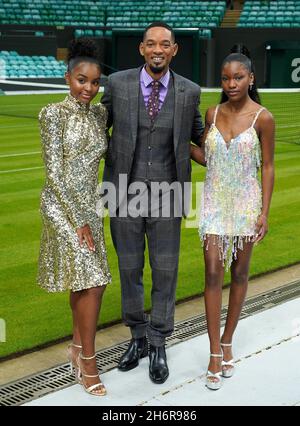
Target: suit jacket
121,98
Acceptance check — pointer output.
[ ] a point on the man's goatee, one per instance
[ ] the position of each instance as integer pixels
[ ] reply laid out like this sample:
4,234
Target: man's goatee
156,70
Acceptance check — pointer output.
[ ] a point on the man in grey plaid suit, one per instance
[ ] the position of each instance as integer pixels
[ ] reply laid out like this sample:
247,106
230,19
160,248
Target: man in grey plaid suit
154,113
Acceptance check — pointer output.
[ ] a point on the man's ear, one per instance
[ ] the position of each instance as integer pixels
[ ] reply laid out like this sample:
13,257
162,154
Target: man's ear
175,49
141,48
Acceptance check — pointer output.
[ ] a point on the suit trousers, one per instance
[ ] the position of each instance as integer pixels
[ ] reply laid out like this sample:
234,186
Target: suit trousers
163,237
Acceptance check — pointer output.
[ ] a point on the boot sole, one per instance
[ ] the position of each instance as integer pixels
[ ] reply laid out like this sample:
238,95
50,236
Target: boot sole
158,382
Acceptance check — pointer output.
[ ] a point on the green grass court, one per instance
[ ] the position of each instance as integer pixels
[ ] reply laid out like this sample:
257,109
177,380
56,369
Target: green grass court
34,317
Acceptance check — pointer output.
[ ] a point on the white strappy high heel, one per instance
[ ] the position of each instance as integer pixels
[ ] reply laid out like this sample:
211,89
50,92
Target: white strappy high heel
214,384
98,389
229,370
74,365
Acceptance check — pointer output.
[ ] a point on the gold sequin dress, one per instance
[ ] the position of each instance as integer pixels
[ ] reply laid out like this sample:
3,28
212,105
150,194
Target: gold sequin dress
73,142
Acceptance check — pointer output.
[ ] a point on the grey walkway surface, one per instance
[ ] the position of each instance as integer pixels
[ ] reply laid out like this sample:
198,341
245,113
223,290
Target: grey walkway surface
267,351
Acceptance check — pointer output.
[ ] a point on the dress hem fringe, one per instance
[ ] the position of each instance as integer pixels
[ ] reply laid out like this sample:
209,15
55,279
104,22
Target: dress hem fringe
228,245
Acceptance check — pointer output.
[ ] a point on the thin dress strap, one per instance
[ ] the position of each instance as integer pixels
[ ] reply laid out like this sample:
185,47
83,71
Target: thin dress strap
256,115
215,114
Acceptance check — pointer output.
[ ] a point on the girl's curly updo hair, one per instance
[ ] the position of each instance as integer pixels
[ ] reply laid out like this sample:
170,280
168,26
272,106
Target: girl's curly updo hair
83,50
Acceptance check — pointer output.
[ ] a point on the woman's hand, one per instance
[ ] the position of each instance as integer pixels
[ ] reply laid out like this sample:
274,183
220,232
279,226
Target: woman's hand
85,235
197,154
261,228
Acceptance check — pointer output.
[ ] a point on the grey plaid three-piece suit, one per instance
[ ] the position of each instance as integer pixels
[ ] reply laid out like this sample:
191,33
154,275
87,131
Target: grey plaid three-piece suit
149,151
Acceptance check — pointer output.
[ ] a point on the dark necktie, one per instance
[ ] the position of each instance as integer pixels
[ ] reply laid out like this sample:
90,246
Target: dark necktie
153,101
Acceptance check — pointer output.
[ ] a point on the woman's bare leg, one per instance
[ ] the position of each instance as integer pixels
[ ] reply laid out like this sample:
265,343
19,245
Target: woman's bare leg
238,291
76,334
85,309
214,276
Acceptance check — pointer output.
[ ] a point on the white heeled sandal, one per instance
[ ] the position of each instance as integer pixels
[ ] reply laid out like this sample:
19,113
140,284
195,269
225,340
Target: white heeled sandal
228,371
214,384
98,389
73,365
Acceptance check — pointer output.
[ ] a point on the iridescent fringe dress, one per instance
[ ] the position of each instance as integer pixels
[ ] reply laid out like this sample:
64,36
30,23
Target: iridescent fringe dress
73,142
232,196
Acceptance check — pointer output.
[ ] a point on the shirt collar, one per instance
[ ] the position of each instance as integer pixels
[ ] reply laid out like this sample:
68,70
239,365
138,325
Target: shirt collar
147,79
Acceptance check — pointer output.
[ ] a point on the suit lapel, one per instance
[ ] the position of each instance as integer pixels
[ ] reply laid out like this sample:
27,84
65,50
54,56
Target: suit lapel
133,96
179,87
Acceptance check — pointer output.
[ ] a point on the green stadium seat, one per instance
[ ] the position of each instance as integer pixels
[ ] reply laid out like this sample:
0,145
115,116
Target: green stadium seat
99,12
281,14
33,66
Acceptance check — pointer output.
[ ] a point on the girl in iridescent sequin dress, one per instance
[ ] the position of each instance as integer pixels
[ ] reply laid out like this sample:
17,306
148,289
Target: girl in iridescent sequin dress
238,139
72,252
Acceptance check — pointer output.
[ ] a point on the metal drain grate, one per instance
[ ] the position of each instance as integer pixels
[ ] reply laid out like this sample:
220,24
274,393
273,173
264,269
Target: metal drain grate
57,378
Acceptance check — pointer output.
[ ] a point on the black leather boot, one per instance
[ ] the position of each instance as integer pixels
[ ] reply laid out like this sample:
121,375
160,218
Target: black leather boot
138,348
158,368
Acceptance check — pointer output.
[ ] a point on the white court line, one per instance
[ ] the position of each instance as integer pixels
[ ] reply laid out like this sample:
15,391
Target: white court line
20,170
286,126
18,126
265,90
204,89
19,155
33,84
36,92
26,105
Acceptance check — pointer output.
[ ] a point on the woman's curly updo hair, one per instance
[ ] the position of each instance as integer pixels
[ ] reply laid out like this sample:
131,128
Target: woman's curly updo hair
83,50
240,53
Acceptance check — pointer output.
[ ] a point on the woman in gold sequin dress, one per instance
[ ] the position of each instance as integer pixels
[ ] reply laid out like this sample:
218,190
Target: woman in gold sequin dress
72,252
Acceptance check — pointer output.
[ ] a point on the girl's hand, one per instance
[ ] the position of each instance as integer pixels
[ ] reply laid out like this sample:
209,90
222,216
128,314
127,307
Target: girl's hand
261,228
197,154
85,235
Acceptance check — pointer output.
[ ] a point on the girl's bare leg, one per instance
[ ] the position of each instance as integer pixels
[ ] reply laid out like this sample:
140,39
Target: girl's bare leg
238,291
85,306
214,276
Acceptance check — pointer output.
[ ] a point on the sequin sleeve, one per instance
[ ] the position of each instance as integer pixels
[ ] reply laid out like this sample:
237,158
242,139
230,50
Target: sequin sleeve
51,128
102,114
106,100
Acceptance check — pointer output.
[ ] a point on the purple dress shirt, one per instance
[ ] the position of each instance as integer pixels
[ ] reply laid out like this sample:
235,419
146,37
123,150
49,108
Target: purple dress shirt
145,81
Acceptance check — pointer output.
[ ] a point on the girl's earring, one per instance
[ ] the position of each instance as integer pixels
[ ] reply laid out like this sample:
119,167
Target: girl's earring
251,86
